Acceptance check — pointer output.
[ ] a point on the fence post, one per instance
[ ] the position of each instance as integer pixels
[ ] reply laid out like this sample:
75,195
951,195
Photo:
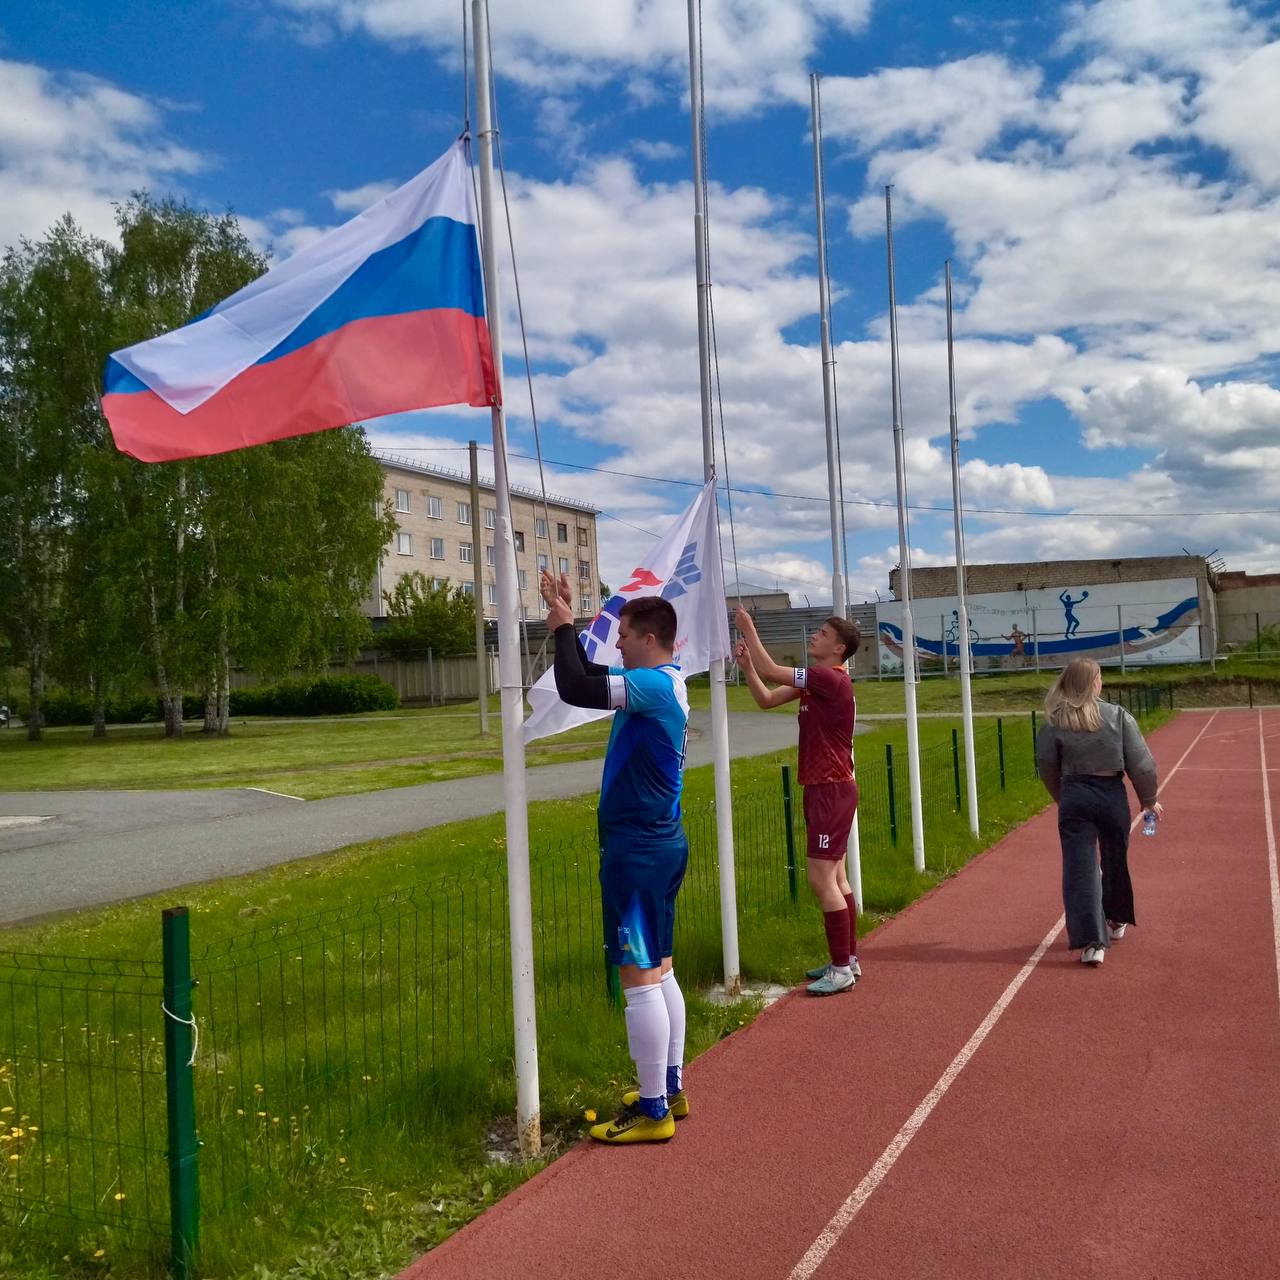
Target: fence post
1035,731
184,1149
612,982
791,835
1257,631
1000,747
942,622
1035,639
955,765
1249,679
1120,633
1170,695
893,800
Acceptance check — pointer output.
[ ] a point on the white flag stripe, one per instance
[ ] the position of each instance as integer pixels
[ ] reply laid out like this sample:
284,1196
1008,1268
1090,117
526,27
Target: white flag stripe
683,568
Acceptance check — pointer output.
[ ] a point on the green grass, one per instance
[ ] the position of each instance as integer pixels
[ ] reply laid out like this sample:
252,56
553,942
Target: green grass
359,1001
310,759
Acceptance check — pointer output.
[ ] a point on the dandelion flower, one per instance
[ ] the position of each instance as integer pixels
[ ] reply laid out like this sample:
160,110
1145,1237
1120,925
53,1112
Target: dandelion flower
119,1195
342,1159
99,1253
590,1115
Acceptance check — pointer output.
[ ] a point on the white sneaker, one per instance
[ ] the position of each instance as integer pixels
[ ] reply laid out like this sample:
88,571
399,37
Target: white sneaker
1115,931
1093,955
856,967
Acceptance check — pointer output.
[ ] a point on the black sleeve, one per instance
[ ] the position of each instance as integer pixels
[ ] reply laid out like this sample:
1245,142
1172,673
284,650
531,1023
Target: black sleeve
579,682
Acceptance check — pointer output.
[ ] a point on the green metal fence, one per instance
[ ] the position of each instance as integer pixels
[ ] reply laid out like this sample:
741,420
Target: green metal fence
277,1043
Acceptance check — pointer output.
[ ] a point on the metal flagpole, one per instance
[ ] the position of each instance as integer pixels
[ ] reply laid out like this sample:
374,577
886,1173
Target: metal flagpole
839,570
828,361
966,657
482,657
528,1116
909,676
719,696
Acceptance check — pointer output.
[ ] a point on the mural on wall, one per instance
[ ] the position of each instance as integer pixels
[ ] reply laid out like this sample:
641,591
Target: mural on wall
1146,622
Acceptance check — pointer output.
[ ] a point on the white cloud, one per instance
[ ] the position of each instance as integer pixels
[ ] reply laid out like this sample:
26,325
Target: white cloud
755,51
357,199
72,143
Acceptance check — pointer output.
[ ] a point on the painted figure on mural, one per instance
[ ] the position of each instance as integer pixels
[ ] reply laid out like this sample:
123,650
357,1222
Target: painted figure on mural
1068,605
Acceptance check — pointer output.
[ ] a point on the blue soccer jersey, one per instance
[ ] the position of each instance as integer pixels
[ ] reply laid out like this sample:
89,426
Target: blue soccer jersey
643,767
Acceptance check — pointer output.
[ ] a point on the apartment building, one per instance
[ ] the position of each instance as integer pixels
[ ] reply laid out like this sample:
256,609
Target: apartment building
434,537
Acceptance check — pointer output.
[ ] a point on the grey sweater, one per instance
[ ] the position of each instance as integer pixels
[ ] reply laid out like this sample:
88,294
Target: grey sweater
1117,746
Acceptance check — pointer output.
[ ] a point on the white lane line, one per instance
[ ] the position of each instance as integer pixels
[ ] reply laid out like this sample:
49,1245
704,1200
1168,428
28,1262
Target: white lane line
831,1233
281,794
1271,849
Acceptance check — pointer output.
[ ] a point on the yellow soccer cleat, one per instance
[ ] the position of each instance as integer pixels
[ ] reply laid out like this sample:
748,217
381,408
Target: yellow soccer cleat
678,1102
633,1125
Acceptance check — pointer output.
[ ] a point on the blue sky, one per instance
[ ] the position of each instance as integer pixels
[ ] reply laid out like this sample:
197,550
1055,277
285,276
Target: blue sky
1096,171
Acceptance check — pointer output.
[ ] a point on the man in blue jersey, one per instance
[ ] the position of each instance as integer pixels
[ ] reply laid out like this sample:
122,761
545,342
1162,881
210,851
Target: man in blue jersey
643,848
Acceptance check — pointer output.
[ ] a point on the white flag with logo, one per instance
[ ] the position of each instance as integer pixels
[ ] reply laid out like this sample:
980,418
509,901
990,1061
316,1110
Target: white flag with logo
683,568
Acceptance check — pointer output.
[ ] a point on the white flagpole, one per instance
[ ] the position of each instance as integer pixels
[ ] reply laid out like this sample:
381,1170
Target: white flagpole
828,360
839,570
966,658
519,891
909,676
719,697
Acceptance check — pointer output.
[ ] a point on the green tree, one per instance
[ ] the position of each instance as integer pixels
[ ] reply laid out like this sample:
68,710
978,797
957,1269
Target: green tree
51,332
421,616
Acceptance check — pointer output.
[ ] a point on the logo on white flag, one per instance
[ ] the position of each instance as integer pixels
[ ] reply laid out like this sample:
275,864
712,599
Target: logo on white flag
683,568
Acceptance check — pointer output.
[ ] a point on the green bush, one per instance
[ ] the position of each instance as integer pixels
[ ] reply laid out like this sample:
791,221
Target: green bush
323,696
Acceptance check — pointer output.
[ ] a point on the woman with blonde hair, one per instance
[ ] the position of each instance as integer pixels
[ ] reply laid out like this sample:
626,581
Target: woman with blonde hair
1082,754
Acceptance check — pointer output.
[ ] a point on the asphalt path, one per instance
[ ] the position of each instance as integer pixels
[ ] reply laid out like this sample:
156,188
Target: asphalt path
981,1104
62,850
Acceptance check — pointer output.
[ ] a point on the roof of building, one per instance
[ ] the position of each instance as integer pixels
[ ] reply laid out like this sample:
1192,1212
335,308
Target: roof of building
485,482
751,589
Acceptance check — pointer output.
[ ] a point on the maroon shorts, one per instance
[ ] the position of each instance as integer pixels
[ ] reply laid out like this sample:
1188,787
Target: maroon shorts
828,814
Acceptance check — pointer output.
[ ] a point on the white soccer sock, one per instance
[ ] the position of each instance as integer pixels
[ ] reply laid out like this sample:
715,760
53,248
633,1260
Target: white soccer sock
648,1033
674,998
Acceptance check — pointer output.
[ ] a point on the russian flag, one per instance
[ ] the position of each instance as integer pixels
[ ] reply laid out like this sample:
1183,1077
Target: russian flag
380,315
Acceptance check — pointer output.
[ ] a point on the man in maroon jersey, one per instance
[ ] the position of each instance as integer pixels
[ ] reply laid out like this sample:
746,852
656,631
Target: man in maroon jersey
826,773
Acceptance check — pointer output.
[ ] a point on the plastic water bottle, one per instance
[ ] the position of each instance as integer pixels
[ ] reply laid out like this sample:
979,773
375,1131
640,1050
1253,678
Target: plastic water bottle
1149,822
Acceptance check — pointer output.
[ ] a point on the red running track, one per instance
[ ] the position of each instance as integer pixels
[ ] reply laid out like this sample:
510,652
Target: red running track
1114,1121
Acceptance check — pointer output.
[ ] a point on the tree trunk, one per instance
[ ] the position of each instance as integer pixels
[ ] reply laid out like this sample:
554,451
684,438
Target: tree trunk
35,718
157,656
99,705
211,704
224,689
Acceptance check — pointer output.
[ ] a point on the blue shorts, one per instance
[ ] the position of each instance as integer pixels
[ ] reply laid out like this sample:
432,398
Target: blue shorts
638,887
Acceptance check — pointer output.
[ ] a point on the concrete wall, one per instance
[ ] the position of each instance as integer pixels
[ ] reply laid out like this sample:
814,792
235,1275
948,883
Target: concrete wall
1247,605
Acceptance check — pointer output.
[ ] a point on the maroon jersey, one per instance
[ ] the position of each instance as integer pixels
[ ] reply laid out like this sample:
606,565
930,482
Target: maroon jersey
826,724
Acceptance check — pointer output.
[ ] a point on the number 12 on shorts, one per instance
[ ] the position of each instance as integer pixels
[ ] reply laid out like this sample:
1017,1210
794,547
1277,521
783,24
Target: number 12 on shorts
824,842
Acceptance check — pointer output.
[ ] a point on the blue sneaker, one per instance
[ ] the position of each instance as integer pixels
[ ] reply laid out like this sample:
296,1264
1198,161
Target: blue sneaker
832,982
821,970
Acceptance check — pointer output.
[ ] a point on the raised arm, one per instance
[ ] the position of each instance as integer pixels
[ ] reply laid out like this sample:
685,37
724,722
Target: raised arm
765,666
579,682
763,695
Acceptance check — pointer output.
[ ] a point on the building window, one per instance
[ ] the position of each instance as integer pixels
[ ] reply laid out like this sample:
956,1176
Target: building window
490,518
583,540
586,606
402,500
435,507
491,591
544,563
404,543
564,566
584,570
519,537
468,588
464,513
437,583
562,533
540,529
464,552
437,548
524,580
489,556
524,612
